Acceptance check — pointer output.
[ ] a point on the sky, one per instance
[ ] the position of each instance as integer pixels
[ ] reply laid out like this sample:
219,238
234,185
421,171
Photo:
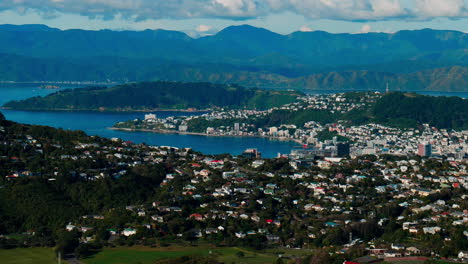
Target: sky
204,17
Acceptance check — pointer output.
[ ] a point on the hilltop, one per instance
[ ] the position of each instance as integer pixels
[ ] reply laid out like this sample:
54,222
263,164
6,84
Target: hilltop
148,96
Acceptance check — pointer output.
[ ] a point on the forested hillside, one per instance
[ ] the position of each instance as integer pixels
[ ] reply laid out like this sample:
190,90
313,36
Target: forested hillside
441,112
157,95
244,55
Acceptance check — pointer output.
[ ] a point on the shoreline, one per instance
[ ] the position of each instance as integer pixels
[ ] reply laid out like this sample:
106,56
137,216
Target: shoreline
164,131
109,110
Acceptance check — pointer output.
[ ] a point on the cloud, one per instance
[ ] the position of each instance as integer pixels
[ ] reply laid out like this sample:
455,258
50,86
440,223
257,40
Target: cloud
204,28
366,28
360,10
441,8
306,28
349,10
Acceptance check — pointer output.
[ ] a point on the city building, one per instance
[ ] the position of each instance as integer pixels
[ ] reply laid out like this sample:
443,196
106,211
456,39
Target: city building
424,150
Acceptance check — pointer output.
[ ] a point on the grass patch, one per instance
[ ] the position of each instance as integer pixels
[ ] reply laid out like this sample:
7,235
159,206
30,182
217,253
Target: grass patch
145,255
27,256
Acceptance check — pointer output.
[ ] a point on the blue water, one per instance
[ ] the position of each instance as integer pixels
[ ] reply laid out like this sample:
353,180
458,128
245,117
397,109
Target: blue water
96,123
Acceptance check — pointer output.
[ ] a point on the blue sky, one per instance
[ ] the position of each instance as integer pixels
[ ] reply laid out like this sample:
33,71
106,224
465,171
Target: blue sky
200,17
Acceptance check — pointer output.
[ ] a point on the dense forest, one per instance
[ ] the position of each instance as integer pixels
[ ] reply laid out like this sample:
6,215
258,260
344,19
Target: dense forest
157,95
441,112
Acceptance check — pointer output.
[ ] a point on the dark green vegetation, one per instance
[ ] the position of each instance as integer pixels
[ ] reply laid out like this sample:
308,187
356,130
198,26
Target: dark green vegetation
393,109
254,57
31,202
157,95
411,109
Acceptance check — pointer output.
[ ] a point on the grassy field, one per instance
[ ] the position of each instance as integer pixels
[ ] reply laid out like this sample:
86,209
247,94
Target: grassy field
27,256
145,255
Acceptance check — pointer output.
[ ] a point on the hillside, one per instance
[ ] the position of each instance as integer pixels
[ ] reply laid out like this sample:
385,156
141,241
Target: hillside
395,109
148,96
244,55
18,68
410,109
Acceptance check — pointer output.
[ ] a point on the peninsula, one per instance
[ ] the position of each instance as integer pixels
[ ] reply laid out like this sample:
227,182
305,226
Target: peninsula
157,96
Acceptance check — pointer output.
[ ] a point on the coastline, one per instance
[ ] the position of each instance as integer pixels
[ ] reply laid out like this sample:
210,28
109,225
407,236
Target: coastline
165,131
110,110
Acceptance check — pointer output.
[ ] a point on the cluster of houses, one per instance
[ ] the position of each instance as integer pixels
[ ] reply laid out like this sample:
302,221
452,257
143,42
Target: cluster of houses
294,200
366,139
315,198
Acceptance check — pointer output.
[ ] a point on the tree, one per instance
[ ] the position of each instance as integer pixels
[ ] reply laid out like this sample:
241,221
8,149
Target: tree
320,258
83,251
67,242
240,254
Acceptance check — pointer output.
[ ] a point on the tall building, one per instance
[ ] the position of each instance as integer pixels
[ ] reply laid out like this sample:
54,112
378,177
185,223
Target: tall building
251,154
424,150
236,126
342,149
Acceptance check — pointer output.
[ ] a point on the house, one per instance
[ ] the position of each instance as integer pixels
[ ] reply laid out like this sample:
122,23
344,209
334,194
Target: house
413,251
70,227
431,230
129,232
392,254
273,238
197,217
463,255
397,247
85,229
331,224
157,218
257,163
240,234
211,230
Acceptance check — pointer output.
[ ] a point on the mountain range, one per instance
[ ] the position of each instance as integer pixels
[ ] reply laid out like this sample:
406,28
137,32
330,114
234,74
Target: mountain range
254,57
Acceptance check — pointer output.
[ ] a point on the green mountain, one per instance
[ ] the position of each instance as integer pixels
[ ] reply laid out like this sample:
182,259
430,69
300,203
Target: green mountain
157,95
244,55
18,68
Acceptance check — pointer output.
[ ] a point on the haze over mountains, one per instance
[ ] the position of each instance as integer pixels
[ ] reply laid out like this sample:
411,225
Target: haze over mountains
407,60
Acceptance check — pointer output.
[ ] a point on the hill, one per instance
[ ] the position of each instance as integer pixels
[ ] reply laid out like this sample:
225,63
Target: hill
244,55
411,109
396,109
149,96
19,68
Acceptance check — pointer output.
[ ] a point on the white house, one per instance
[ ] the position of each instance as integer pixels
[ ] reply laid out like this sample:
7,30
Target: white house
129,232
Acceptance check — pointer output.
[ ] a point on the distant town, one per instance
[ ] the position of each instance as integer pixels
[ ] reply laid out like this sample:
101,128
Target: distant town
341,139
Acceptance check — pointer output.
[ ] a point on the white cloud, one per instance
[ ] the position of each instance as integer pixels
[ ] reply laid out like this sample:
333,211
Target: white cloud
441,8
349,9
354,10
204,28
306,28
366,28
